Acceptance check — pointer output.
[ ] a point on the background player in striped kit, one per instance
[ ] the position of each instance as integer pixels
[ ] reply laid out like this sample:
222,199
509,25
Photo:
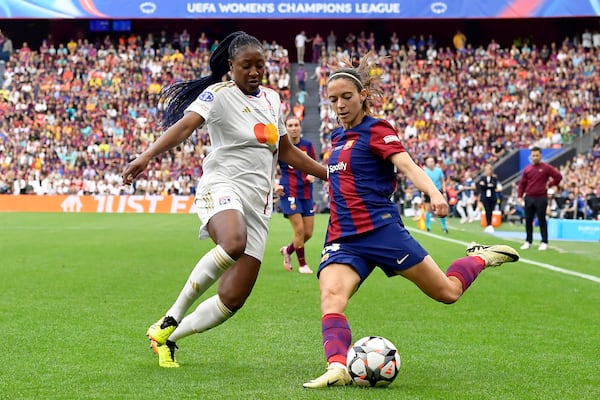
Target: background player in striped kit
296,199
235,193
365,228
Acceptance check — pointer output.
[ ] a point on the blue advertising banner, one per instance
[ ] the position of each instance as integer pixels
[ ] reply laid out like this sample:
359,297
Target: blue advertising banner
570,229
348,9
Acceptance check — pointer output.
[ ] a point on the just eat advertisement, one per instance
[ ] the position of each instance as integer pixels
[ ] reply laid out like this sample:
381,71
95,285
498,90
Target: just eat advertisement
97,204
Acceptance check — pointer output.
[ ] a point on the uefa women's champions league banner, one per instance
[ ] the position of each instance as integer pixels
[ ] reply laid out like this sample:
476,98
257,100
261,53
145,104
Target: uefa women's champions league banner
341,9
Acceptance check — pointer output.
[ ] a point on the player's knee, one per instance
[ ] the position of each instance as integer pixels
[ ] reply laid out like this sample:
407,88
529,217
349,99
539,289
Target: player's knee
307,236
332,302
448,295
235,245
233,299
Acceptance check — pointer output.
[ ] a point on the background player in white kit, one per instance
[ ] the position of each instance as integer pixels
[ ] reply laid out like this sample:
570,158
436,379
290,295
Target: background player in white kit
234,195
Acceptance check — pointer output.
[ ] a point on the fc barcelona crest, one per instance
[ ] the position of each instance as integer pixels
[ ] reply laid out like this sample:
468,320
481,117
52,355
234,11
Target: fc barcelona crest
348,144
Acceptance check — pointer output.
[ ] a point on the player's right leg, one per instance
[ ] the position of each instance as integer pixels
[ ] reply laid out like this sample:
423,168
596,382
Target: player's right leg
337,284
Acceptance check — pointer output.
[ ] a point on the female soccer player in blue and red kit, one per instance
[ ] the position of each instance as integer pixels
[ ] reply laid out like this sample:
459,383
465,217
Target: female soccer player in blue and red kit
365,229
296,199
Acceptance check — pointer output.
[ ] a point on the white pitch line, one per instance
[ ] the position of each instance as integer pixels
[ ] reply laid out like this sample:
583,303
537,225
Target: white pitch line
525,260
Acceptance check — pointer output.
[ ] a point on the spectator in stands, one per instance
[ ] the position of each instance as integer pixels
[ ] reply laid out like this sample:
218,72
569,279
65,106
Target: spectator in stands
459,40
555,204
300,42
231,194
498,150
301,76
331,42
203,43
6,47
317,48
184,41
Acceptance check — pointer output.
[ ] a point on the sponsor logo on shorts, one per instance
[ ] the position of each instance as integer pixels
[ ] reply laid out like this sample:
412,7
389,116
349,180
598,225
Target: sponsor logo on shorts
399,261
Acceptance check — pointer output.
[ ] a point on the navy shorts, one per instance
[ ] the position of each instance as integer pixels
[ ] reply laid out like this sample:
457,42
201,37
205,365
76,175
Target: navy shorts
293,205
390,248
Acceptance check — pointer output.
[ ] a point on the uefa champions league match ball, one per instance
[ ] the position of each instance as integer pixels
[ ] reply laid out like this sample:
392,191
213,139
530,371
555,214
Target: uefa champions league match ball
373,361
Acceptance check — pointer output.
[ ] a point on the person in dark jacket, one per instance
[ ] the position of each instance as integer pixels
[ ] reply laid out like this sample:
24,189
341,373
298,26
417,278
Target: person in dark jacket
488,188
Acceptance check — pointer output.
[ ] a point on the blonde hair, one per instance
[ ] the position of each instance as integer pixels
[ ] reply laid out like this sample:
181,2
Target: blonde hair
360,76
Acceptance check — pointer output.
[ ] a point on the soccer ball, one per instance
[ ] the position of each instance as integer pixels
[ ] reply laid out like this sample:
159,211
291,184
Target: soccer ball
373,361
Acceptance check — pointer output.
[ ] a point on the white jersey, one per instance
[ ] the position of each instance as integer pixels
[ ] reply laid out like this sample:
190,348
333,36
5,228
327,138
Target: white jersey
244,133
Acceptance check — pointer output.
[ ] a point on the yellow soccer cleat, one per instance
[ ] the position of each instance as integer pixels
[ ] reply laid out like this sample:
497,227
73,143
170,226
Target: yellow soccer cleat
494,255
336,375
160,331
166,355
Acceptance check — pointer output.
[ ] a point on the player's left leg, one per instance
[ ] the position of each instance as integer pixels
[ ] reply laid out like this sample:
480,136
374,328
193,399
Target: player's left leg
447,288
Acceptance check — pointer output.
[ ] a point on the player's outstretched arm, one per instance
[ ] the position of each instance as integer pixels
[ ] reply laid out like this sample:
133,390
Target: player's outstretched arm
415,174
293,156
176,134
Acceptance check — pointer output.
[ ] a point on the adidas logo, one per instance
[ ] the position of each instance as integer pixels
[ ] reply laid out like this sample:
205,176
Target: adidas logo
246,109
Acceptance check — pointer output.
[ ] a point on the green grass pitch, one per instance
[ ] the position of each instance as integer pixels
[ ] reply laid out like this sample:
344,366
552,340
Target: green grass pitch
78,291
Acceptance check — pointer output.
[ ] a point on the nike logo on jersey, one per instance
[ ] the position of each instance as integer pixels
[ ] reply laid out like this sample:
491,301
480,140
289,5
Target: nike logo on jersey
399,261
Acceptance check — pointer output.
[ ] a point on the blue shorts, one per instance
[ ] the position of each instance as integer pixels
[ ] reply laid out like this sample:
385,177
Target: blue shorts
293,205
390,248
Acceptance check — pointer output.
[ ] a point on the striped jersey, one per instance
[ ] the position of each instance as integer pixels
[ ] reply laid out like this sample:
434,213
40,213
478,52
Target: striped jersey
293,180
361,178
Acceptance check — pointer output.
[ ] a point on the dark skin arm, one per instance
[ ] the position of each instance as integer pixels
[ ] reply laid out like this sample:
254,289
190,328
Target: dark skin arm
171,138
293,156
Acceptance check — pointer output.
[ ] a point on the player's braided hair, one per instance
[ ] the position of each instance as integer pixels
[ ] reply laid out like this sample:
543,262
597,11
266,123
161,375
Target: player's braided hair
178,96
360,76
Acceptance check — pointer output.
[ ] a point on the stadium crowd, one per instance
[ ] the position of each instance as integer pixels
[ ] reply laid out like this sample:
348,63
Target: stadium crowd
74,114
469,106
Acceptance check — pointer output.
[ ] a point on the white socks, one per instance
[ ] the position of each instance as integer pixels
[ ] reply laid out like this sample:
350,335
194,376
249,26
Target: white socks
210,313
205,273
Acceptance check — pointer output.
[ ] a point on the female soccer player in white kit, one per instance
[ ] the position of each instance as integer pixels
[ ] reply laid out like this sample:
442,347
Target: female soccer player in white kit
234,194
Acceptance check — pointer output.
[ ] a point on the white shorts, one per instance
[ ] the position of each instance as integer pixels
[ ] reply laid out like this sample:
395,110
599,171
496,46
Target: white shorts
216,197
